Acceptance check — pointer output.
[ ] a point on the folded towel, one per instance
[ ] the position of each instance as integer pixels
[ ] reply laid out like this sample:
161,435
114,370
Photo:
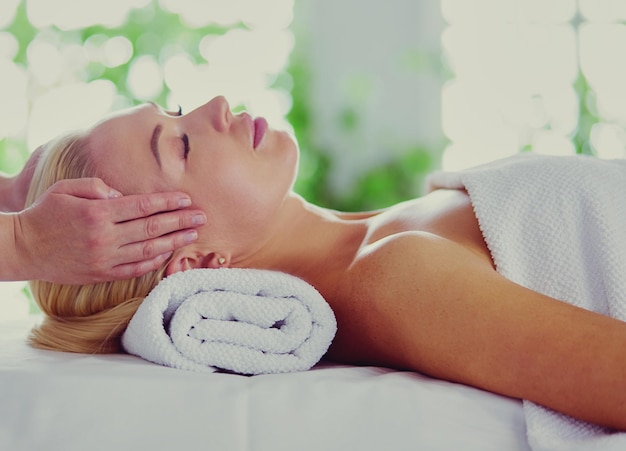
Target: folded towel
556,225
247,321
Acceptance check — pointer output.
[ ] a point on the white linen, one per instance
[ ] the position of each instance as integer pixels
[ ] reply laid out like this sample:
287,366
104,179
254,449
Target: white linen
556,225
248,321
53,401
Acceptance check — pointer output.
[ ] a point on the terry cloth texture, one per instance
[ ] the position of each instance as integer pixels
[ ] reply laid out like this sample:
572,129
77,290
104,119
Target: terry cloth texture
247,321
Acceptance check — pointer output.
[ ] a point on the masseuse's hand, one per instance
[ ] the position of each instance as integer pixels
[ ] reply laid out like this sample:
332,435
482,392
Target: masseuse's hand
81,231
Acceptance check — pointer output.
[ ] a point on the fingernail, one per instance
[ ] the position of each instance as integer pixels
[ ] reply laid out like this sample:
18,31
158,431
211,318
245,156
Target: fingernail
184,202
198,219
113,194
191,236
166,255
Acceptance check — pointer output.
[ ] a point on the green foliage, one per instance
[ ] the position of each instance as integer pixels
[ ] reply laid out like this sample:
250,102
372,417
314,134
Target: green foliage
397,181
23,31
349,119
13,155
586,116
314,163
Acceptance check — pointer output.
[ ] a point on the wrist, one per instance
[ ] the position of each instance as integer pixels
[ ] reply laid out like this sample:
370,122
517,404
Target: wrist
7,199
14,259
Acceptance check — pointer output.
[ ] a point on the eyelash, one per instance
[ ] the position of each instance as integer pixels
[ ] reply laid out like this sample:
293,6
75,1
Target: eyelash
184,138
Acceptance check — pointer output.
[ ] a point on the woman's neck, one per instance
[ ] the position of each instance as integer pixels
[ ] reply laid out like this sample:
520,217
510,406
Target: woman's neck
310,242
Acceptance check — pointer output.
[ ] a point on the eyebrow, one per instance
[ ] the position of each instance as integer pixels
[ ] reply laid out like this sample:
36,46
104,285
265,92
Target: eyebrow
154,143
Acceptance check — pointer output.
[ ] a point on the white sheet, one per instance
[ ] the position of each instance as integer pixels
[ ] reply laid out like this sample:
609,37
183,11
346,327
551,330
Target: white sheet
56,401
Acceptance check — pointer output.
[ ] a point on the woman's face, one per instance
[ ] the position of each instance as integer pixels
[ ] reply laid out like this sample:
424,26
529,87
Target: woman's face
234,168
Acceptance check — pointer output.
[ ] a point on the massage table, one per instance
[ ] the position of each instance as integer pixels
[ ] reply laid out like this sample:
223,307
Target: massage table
56,401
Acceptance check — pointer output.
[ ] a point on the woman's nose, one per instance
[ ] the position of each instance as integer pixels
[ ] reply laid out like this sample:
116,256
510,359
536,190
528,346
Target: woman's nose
219,113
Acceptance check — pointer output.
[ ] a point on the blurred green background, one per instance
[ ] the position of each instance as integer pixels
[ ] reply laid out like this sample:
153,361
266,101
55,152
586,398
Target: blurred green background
159,33
80,59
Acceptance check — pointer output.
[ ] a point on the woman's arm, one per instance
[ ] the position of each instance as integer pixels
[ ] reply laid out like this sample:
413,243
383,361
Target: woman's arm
440,309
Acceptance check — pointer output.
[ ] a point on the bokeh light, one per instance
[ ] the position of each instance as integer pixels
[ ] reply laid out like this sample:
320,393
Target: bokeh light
7,11
275,14
13,98
69,107
59,64
526,75
608,140
603,11
73,15
145,80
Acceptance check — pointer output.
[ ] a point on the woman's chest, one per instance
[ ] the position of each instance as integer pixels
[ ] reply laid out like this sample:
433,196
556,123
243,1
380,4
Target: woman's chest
445,213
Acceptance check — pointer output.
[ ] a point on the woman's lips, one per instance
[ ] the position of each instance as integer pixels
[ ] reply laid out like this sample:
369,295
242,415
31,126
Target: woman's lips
260,127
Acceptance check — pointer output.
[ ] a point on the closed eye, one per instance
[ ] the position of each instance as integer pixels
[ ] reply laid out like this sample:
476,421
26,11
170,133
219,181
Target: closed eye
185,140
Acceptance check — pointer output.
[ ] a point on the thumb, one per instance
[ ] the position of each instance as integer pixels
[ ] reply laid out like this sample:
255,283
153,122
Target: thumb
88,188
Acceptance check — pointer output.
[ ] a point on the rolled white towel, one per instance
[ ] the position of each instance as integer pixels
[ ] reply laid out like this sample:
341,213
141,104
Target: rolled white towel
248,321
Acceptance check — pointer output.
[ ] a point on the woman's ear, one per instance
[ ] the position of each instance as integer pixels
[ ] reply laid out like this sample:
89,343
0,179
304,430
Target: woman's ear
185,259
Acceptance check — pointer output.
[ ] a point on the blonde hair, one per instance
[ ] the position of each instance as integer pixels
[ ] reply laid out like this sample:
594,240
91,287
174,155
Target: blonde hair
81,318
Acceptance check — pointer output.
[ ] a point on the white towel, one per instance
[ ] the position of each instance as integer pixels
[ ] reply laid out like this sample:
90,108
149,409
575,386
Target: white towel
247,321
556,225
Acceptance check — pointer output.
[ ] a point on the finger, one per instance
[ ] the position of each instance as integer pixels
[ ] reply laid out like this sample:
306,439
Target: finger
132,270
158,225
88,188
150,249
137,206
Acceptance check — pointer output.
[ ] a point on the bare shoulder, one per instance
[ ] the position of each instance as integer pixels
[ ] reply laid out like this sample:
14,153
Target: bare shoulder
399,279
416,260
